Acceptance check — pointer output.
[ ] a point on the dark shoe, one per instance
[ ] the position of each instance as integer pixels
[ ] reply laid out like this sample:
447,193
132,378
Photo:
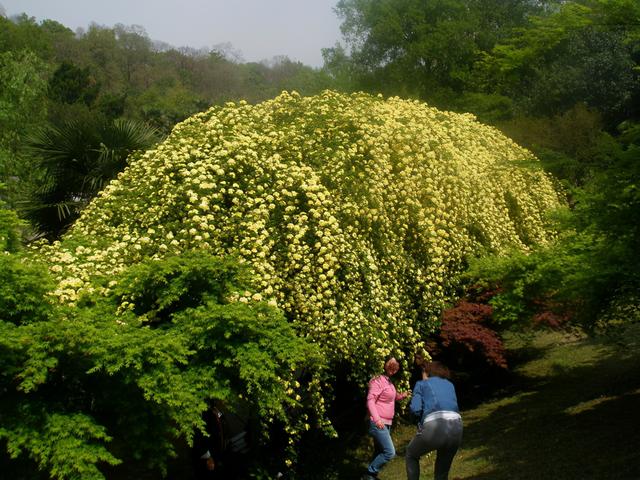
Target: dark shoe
369,476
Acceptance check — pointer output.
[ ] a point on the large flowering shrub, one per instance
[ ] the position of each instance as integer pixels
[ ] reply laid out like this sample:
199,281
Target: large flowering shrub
355,213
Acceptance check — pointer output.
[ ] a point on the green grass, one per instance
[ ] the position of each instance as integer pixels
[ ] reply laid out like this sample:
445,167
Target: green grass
572,412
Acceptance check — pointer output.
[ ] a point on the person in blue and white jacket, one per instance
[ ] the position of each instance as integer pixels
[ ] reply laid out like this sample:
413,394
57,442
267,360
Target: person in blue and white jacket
434,401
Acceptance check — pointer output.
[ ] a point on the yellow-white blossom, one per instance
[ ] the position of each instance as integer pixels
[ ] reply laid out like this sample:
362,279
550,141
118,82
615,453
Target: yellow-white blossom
356,213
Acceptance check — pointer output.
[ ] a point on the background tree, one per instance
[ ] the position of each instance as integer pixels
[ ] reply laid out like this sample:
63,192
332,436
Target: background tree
71,84
581,52
424,49
22,109
135,49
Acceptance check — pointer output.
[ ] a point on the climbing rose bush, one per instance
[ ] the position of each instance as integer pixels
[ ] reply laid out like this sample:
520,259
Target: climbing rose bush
355,213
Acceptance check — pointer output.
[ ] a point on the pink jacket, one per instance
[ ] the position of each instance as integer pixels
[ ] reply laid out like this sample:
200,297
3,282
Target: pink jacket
381,399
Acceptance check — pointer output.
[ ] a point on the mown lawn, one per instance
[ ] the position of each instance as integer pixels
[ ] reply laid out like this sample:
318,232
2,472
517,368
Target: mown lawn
572,412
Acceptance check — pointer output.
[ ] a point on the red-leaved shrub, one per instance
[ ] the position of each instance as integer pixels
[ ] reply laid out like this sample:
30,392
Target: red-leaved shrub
466,340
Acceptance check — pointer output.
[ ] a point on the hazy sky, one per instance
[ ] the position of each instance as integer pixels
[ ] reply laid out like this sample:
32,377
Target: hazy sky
258,29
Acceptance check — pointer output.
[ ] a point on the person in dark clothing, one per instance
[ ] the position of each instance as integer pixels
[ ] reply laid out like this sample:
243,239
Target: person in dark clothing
208,449
434,401
223,452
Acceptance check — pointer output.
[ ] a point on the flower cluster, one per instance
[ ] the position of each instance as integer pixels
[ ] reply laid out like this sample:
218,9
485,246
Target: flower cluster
354,212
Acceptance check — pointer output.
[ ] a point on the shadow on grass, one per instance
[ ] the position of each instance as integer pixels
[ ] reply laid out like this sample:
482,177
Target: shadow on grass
576,422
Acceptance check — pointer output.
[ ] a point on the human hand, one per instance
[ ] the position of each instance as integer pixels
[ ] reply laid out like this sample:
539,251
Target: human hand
211,464
379,425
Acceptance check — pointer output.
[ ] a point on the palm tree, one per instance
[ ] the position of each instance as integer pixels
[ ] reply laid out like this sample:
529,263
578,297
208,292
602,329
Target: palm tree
77,161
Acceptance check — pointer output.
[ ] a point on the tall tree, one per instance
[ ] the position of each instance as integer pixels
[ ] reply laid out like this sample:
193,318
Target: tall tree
71,84
417,46
586,51
135,49
22,109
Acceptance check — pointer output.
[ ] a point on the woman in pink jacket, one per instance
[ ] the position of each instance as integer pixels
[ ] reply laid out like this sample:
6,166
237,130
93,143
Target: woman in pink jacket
381,399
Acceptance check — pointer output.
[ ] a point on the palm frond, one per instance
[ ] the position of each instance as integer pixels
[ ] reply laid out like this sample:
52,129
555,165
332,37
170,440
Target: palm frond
78,160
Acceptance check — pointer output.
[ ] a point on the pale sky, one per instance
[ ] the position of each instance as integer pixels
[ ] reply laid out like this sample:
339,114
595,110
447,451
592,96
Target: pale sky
258,29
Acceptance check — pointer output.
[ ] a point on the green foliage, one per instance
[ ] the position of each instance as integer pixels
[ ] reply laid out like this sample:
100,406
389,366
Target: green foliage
23,33
490,108
118,380
572,145
579,52
593,266
158,289
577,278
22,289
594,66
22,285
22,108
71,84
418,48
495,59
22,85
121,64
339,67
611,200
267,79
163,106
9,229
532,42
529,283
68,446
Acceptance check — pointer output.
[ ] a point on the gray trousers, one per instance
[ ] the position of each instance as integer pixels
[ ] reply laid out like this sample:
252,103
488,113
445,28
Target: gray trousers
442,435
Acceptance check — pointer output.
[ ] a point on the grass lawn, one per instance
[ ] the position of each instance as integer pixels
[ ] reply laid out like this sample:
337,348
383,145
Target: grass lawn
572,412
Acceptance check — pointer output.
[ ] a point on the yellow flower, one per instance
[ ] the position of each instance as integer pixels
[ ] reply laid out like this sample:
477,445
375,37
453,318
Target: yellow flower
342,206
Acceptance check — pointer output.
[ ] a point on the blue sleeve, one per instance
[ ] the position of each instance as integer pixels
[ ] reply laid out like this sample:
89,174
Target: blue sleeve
416,400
